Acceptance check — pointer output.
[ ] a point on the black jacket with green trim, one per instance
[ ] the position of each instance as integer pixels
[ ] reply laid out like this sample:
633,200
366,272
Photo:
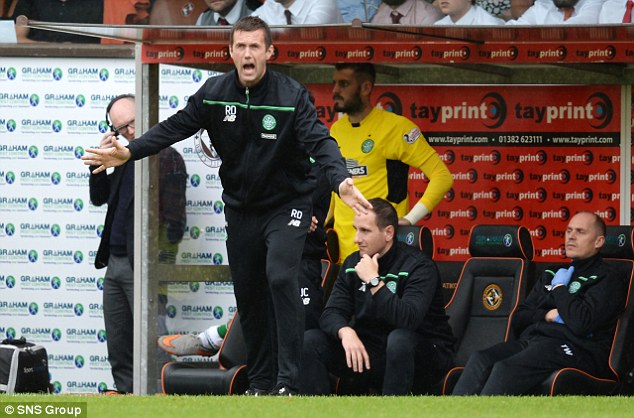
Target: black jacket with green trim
589,306
266,135
411,299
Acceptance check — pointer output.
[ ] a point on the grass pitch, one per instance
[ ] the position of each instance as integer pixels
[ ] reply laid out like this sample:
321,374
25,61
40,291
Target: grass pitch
159,406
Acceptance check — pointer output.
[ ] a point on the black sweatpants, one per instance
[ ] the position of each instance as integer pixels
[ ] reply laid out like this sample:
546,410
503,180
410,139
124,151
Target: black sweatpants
515,367
311,292
264,249
408,363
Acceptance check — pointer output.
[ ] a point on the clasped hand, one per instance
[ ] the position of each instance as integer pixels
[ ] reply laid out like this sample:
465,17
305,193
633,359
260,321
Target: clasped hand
562,277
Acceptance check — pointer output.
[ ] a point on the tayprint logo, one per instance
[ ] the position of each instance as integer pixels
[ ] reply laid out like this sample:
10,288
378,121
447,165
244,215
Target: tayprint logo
602,110
268,122
296,217
495,110
567,351
390,102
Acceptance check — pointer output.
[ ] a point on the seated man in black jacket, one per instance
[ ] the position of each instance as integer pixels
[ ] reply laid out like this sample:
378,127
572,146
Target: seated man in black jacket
568,320
385,320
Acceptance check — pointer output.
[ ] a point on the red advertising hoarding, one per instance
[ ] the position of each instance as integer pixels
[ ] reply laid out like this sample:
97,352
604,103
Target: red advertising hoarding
529,155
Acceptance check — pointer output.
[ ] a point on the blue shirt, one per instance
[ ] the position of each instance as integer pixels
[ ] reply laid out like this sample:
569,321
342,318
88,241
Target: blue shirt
358,9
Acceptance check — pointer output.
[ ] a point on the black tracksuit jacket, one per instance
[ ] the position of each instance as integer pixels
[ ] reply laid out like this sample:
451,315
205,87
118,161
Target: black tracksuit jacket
266,135
589,313
411,299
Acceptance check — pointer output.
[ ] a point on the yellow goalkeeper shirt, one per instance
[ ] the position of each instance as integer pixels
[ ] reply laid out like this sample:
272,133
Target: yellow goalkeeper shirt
378,153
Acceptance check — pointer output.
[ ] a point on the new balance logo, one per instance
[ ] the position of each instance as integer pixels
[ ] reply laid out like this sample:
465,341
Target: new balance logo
567,350
296,216
230,113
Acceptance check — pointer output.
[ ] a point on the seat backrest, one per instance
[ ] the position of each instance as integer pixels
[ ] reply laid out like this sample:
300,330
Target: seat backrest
332,245
417,236
618,250
233,351
491,285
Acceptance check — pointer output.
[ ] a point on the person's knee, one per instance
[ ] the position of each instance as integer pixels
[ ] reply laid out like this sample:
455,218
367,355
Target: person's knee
280,280
480,360
314,340
400,344
501,370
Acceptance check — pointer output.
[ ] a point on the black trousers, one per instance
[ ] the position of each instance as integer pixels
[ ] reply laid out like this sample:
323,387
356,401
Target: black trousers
515,367
408,363
310,291
264,250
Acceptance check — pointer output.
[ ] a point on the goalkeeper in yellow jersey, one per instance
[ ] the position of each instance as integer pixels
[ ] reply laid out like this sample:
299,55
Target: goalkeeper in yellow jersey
379,146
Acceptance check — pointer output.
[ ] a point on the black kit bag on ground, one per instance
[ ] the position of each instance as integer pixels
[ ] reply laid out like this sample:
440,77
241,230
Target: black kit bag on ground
23,367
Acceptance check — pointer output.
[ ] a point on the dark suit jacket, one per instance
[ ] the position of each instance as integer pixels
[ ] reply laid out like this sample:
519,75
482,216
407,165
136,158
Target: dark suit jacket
207,17
104,188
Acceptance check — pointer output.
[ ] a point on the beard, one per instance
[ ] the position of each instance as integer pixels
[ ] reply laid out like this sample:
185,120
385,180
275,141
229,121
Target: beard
565,3
354,105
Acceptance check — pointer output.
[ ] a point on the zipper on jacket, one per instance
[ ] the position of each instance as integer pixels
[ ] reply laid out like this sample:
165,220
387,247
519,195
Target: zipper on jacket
248,150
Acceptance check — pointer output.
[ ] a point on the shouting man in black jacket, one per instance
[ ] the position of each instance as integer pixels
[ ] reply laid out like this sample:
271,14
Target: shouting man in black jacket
266,131
385,320
568,320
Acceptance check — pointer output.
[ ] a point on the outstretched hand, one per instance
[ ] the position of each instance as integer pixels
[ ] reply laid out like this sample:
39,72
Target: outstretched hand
352,197
113,156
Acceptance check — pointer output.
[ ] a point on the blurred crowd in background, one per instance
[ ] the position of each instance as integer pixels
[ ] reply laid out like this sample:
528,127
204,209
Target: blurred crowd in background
298,12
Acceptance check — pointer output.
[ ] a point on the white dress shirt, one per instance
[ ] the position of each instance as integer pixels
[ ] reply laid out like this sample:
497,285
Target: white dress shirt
544,12
303,12
476,15
414,12
612,11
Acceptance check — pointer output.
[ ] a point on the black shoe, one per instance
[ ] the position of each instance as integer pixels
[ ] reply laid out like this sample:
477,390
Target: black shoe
256,392
282,391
